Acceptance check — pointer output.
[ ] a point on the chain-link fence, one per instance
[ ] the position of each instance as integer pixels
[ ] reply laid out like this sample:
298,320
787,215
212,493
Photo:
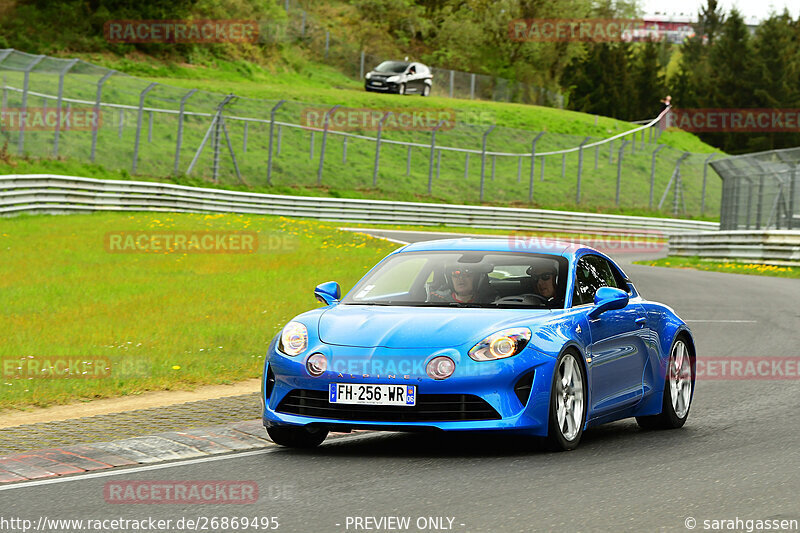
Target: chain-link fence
302,27
760,191
67,108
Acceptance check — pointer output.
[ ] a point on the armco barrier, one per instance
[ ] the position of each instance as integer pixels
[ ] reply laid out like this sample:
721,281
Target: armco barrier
774,247
44,193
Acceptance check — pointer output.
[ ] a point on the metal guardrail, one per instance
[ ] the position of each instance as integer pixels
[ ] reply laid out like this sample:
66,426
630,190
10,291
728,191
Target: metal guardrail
774,247
44,193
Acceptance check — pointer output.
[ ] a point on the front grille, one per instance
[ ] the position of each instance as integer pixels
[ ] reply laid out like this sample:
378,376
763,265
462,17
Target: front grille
429,408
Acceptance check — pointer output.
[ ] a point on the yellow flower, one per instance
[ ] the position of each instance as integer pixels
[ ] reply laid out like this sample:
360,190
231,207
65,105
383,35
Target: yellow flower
176,367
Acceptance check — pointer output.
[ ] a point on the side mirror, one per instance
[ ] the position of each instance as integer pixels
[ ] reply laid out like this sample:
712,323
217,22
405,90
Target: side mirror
328,293
606,299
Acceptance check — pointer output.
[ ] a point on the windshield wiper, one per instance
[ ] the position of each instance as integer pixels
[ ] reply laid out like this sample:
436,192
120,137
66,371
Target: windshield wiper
368,303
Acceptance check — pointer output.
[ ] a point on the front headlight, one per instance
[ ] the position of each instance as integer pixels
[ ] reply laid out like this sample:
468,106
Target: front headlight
369,75
294,339
502,344
392,79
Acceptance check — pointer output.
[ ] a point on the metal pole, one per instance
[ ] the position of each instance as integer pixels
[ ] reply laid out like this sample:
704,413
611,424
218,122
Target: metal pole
344,149
563,165
519,169
533,166
139,126
178,143
287,6
271,134
759,205
653,173
96,126
619,170
378,149
466,166
408,161
705,176
580,168
5,93
120,123
327,43
452,82
792,192
58,104
361,71
633,143
244,140
280,136
24,111
430,161
311,146
596,155
483,155
472,87
324,142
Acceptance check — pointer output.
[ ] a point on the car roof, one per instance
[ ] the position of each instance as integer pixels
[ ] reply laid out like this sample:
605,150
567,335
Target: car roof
495,244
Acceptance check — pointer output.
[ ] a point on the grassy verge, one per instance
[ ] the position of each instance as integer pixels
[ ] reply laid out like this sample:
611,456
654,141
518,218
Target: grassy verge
715,266
160,320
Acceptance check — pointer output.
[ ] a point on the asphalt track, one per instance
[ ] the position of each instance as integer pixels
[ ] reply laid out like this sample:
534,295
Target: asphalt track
738,456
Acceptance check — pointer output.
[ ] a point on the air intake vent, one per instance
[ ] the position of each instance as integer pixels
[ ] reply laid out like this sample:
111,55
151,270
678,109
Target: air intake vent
269,384
429,408
523,387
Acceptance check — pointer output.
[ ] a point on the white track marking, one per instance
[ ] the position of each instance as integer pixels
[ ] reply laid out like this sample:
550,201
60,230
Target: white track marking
726,321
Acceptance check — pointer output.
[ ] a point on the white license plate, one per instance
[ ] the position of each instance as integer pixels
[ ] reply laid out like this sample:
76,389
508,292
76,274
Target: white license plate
376,83
361,393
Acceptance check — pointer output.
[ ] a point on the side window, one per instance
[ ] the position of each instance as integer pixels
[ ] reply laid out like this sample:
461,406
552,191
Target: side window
592,272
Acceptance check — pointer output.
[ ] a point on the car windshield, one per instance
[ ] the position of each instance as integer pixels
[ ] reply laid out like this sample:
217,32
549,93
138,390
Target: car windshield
394,67
464,279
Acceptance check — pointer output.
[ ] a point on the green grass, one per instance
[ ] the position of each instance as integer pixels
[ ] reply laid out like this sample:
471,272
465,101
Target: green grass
697,263
295,167
209,315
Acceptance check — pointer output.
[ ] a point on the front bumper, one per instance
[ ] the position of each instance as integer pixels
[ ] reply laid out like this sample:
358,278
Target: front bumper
384,87
479,396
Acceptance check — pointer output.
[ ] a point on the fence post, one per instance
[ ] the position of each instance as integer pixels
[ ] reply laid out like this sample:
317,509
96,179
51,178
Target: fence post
378,148
705,177
533,165
472,87
344,149
563,165
287,6
759,206
433,149
452,82
96,125
311,146
178,143
408,161
483,157
466,166
5,93
653,173
792,192
327,43
271,134
324,142
596,155
619,170
24,110
244,139
361,71
580,168
142,96
633,143
519,169
59,100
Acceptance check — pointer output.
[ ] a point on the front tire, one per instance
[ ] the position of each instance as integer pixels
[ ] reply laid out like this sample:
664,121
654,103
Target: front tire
678,389
401,89
567,404
297,436
426,90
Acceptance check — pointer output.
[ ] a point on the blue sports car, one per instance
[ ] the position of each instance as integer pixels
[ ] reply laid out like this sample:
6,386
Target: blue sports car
536,338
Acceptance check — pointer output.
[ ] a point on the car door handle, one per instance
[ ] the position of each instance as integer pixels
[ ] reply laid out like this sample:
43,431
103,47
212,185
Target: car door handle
641,321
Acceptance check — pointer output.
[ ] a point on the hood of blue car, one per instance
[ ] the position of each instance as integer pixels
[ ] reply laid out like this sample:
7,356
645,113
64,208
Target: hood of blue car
417,327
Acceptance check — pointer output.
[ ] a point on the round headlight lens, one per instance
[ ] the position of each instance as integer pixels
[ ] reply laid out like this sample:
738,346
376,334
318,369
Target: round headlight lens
502,344
502,347
441,367
294,339
317,364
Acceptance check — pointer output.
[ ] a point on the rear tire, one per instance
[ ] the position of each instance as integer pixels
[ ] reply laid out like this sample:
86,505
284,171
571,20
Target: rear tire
678,391
568,400
297,436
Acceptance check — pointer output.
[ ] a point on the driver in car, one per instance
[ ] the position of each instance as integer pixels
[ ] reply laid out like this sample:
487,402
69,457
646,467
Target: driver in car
461,286
544,280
